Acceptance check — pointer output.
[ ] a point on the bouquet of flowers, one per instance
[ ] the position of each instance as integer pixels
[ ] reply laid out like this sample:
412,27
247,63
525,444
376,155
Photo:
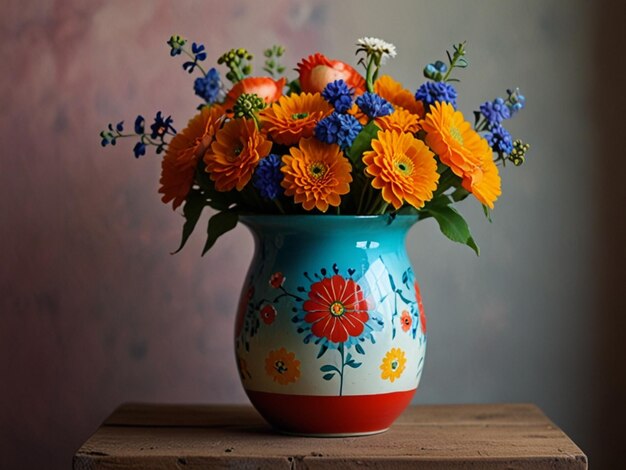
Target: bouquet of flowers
330,141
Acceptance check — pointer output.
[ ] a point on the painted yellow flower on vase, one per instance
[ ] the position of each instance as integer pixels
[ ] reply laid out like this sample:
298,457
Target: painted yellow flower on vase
316,174
282,366
403,167
235,153
294,117
393,364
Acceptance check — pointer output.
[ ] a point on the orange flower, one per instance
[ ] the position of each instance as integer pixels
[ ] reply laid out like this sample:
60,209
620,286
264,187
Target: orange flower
181,157
400,120
282,366
406,320
451,137
268,89
317,71
484,181
294,117
235,153
403,167
316,174
397,95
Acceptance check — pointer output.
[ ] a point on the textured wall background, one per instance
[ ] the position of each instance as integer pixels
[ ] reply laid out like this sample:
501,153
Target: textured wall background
94,311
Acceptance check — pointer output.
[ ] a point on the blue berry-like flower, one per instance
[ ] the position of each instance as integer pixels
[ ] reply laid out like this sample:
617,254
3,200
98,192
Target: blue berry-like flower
161,126
495,111
267,177
431,92
139,149
208,87
339,95
139,124
515,101
340,129
499,139
374,105
198,51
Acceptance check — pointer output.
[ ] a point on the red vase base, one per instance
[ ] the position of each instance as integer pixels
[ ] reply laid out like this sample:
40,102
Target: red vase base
330,416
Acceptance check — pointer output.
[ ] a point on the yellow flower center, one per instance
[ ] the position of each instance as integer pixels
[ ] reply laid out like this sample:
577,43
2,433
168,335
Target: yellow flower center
456,134
337,309
317,170
403,165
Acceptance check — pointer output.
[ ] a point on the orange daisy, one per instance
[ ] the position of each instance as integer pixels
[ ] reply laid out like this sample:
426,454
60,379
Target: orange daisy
268,89
484,181
451,137
403,167
316,174
183,152
400,120
235,153
294,117
397,95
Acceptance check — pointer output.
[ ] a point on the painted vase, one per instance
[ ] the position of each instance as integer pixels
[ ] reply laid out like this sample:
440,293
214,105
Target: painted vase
330,334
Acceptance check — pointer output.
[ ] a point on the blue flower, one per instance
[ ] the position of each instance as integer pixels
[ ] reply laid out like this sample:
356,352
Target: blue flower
139,149
119,127
208,87
431,92
516,101
161,126
373,105
499,139
176,44
339,95
140,124
495,111
339,129
198,51
268,176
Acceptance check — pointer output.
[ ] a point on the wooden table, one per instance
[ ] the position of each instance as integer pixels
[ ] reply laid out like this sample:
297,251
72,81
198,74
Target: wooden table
513,436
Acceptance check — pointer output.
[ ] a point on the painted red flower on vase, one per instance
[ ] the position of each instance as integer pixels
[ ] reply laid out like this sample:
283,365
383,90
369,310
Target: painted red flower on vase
336,309
406,320
418,296
268,314
277,280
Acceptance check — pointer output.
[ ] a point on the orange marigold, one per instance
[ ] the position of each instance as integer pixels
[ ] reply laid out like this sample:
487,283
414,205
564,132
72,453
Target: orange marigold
294,117
317,71
235,153
316,174
403,167
484,181
183,152
400,120
451,137
397,95
268,89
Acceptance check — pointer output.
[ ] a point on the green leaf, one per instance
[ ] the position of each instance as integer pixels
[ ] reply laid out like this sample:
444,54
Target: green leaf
487,212
329,368
219,224
328,376
191,211
453,225
363,142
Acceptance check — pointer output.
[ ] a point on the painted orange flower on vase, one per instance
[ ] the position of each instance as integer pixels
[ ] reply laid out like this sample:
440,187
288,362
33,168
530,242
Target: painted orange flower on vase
393,364
282,366
183,152
403,167
294,117
267,88
336,309
316,174
317,71
235,153
406,320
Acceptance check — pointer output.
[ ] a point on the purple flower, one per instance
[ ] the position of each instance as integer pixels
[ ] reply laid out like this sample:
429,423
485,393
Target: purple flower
495,111
499,139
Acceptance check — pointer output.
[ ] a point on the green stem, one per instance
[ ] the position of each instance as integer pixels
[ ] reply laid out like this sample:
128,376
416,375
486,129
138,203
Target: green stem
342,367
369,75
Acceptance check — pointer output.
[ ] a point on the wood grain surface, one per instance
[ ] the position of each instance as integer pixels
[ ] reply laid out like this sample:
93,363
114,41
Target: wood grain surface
506,436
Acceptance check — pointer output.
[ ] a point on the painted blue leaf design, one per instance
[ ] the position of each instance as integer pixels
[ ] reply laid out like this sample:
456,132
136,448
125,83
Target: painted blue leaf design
328,376
323,349
329,368
359,349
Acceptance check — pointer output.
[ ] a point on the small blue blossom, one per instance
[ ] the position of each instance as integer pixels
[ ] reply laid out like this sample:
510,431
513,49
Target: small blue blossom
339,129
374,105
516,101
339,95
208,87
139,124
268,176
161,126
431,92
198,51
119,127
499,139
495,111
139,149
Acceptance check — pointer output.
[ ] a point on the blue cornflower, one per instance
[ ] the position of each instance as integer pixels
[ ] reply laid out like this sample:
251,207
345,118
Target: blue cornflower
268,176
339,129
339,95
139,149
495,111
208,87
499,139
374,105
139,124
161,126
431,92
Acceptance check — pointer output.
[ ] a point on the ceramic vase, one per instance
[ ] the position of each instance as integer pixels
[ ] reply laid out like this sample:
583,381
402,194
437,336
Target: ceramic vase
330,333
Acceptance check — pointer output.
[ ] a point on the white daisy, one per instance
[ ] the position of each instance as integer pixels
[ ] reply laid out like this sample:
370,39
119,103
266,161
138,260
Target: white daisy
376,46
